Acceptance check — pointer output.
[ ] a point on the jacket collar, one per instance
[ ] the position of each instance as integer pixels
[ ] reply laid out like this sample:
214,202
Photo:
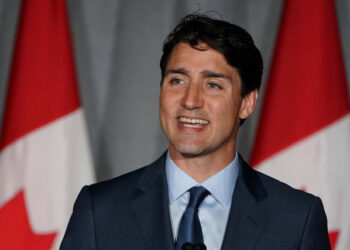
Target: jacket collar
247,217
151,207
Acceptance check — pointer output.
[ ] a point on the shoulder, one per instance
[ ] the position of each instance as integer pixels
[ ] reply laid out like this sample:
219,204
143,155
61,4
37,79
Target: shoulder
118,185
277,188
125,187
289,204
272,190
283,192
285,204
295,212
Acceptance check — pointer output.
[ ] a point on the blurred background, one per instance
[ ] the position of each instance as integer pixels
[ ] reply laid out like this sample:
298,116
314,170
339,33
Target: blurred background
117,47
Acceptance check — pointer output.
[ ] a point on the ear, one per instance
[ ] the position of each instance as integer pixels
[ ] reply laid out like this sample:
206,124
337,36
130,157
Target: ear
248,104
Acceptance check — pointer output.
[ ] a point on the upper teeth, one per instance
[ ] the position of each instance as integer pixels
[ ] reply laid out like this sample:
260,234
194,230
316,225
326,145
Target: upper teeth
200,121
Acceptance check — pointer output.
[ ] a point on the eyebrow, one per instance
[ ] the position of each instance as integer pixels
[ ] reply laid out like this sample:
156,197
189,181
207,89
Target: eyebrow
182,71
208,73
205,73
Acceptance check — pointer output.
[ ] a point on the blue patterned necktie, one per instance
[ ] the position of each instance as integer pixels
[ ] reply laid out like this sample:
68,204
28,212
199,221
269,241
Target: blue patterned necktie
190,228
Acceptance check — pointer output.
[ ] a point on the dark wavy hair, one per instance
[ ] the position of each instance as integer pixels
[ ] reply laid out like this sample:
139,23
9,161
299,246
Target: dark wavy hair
232,41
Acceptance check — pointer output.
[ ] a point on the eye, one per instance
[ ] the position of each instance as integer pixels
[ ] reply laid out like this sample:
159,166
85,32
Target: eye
213,85
176,81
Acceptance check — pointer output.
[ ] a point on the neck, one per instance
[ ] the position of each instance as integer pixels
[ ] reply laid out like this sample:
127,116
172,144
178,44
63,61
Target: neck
202,167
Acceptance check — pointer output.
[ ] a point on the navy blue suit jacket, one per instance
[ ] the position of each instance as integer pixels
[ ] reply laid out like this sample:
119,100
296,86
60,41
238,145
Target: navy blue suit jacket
132,212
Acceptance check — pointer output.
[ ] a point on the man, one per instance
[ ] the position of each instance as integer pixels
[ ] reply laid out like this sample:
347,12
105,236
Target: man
200,192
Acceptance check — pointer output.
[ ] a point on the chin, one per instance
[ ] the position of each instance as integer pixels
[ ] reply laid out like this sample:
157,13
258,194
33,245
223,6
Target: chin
190,151
190,154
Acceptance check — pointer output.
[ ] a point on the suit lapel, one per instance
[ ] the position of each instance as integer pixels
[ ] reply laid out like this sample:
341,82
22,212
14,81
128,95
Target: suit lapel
151,207
247,216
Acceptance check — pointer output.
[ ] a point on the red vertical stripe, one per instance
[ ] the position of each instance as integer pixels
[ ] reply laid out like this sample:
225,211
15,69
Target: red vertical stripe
306,90
42,84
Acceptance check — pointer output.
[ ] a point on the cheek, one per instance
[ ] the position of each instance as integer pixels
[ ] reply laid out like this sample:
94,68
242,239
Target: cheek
225,112
169,100
164,104
223,105
167,107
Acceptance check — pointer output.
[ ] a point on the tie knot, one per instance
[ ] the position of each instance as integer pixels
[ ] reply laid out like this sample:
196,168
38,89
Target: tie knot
197,195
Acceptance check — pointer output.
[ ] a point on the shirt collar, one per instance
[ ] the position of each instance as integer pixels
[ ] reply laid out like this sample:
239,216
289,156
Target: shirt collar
221,185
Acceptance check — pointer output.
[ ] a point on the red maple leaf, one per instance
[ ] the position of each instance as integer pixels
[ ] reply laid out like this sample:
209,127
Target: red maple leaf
15,230
333,237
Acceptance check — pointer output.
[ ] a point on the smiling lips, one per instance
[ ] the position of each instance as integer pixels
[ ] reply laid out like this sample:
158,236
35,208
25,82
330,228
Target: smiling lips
193,123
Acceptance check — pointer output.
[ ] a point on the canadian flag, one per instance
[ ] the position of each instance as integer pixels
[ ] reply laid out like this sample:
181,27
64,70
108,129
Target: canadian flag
303,136
44,153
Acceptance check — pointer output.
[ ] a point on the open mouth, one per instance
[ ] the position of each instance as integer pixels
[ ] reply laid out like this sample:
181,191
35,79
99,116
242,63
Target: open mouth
192,122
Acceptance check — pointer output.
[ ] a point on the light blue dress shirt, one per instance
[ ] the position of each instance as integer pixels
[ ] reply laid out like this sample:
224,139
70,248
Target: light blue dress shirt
214,210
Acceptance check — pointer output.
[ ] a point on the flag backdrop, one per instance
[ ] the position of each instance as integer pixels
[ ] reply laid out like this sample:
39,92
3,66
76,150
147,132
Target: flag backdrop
44,153
303,136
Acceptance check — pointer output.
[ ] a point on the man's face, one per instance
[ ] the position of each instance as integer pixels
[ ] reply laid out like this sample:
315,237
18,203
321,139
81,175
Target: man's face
200,102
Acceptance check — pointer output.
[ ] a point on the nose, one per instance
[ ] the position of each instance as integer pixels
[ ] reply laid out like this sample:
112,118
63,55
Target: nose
192,97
